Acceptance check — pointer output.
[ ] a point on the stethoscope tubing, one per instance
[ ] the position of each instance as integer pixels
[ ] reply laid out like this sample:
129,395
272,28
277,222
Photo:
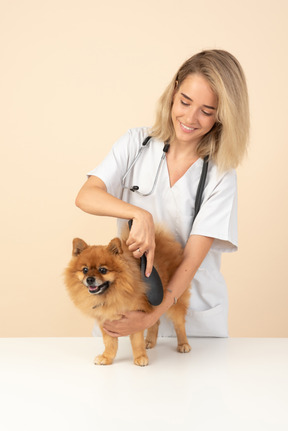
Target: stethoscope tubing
135,188
201,184
200,188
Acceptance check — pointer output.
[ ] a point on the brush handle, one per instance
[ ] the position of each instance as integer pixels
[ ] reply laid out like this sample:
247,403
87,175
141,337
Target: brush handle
154,291
153,283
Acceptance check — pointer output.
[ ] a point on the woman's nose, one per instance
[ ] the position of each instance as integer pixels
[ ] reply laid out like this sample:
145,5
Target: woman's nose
192,116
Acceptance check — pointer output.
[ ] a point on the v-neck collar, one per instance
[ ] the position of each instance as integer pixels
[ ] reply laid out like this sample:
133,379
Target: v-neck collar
192,167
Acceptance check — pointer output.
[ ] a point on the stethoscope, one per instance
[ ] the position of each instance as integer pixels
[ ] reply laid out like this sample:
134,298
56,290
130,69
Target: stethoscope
135,189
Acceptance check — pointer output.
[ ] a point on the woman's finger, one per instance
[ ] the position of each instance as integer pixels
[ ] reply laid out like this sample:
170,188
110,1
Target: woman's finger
149,266
111,333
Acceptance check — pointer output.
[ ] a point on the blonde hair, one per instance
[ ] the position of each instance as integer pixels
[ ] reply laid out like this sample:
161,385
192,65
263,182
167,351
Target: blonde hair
226,143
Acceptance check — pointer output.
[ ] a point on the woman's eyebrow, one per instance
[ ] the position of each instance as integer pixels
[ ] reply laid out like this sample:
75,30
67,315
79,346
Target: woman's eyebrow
188,98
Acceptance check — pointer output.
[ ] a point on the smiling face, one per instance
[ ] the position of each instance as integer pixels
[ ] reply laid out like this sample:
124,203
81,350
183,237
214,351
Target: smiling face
194,110
94,270
95,267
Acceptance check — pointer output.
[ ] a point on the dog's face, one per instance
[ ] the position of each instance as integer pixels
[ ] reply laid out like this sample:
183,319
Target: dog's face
103,281
96,267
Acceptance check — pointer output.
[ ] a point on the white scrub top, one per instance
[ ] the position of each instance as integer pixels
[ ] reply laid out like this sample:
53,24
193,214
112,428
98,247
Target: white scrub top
173,207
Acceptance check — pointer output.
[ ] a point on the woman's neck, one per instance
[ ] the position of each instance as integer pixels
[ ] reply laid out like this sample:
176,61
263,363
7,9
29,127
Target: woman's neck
183,151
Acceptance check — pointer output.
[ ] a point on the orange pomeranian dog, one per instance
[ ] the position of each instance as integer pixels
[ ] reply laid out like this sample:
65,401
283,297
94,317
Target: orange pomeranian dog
105,281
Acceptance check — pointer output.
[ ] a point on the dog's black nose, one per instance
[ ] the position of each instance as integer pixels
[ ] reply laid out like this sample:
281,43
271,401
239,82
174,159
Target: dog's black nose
90,280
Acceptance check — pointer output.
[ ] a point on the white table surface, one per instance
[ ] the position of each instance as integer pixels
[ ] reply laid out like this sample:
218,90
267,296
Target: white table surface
227,384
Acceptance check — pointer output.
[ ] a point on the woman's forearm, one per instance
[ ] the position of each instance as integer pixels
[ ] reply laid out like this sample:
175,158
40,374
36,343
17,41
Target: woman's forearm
195,251
93,198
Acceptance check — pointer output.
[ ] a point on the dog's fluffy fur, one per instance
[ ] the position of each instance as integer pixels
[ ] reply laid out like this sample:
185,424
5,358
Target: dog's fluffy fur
105,281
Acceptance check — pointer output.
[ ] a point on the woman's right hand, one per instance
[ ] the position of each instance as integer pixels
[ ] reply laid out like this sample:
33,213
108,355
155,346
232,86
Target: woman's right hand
94,199
142,239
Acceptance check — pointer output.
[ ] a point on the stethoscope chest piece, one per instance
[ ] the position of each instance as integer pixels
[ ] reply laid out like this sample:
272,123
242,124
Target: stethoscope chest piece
135,188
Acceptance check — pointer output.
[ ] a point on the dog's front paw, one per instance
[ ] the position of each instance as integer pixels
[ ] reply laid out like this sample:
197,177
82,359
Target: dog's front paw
142,361
183,348
102,360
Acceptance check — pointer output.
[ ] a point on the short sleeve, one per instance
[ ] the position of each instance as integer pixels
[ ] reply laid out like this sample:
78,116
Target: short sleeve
217,217
113,167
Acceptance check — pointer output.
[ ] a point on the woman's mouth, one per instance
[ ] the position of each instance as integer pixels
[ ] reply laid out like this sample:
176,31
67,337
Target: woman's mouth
187,129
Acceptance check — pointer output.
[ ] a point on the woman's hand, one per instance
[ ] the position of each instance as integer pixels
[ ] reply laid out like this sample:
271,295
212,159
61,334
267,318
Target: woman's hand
130,323
142,239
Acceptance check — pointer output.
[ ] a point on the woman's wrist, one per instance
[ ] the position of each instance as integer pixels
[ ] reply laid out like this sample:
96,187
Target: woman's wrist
142,216
151,318
158,311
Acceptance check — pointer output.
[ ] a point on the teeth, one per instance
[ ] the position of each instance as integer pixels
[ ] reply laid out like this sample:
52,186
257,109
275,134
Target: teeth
187,128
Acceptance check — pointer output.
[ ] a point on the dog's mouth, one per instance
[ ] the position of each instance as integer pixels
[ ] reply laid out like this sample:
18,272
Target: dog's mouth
98,290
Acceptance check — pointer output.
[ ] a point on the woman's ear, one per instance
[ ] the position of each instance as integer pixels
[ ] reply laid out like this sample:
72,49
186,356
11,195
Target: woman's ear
175,91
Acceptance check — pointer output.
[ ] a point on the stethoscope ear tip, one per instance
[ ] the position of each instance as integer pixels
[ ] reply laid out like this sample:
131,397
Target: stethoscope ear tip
166,148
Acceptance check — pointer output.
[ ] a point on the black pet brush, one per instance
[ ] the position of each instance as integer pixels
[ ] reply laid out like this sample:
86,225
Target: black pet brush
154,285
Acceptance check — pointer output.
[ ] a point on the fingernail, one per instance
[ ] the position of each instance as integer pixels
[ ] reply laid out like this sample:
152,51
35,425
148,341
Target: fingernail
148,275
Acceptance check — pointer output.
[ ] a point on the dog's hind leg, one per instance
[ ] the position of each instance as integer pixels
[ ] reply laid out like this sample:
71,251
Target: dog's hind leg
138,347
152,334
177,315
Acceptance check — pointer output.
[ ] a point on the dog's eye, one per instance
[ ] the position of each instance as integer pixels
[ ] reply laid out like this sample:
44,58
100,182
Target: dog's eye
85,270
103,270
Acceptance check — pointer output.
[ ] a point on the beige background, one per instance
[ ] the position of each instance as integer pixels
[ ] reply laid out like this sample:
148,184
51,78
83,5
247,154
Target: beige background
75,75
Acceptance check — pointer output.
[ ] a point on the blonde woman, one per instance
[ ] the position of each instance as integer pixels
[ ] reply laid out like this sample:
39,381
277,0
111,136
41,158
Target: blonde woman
202,114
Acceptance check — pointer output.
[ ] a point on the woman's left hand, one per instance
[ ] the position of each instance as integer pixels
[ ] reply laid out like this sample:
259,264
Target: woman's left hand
129,323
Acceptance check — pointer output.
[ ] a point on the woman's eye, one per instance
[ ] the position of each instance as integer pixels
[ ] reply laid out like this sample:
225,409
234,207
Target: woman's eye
103,270
85,270
183,103
207,113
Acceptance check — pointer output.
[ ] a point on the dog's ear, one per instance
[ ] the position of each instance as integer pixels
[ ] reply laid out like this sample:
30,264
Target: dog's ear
114,246
78,246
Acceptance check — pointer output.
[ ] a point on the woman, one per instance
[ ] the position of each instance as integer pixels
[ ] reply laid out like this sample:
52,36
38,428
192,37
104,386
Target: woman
203,112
